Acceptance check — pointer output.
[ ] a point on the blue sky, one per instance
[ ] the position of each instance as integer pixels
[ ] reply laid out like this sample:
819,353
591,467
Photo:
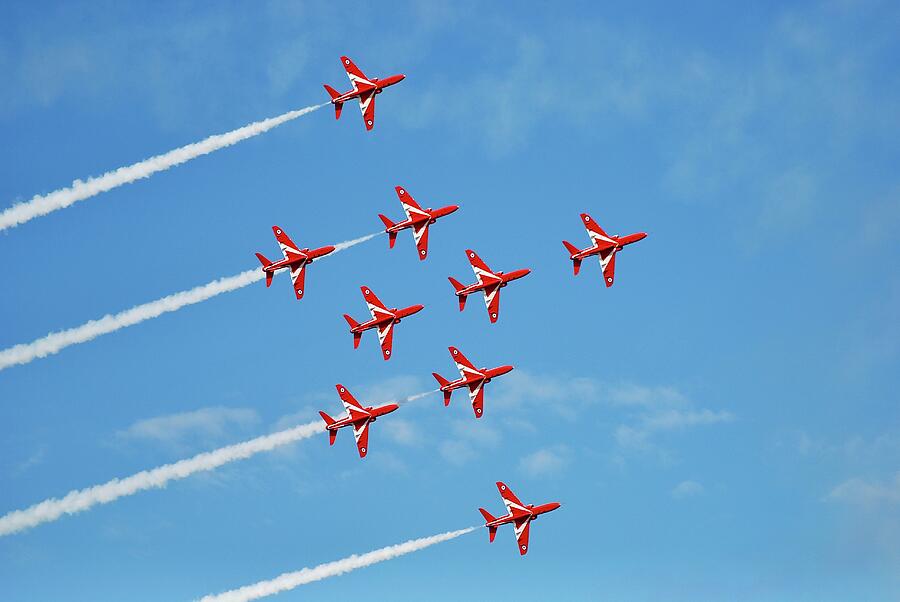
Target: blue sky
721,424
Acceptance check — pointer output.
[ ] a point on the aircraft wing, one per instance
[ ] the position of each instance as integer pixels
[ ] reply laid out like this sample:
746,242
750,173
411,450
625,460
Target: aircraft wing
492,301
367,107
598,236
358,79
353,407
287,245
513,505
376,307
476,394
298,276
386,338
410,206
608,264
465,367
482,272
522,526
361,432
420,234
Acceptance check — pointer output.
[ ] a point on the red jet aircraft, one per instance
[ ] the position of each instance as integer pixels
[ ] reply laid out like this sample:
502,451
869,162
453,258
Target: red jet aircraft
605,246
295,259
470,377
364,90
519,515
358,417
416,218
382,318
489,282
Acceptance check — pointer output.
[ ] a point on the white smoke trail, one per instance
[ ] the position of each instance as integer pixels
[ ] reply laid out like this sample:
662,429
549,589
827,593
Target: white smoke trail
56,341
43,204
83,499
287,581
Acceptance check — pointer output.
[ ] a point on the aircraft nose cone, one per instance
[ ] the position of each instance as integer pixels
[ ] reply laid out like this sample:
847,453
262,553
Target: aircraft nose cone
401,77
391,407
417,308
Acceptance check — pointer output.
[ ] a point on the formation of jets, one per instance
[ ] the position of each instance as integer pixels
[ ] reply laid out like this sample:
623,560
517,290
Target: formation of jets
488,282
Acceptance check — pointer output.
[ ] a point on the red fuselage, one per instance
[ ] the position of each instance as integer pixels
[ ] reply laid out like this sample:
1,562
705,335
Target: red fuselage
620,243
305,256
485,376
488,282
416,220
374,413
377,84
390,315
533,513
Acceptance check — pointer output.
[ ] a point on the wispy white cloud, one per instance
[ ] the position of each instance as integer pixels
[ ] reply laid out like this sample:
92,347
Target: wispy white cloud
686,489
403,432
547,461
867,492
468,439
202,425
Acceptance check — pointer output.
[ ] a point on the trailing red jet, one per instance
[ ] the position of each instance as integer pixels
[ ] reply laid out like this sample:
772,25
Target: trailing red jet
416,218
358,417
470,377
382,318
488,282
295,260
519,515
364,90
604,245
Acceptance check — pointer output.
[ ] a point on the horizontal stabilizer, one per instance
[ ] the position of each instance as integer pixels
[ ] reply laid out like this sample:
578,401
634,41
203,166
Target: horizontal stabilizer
386,221
573,250
262,259
328,419
353,323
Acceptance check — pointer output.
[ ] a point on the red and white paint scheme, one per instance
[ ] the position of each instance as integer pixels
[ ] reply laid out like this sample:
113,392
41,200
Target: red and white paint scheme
295,260
358,417
382,318
364,90
519,514
470,377
488,282
416,218
604,245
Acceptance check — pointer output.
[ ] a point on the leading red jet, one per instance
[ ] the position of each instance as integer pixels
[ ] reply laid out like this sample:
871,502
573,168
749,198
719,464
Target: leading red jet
489,282
470,377
358,417
382,318
364,90
416,218
604,245
295,260
519,515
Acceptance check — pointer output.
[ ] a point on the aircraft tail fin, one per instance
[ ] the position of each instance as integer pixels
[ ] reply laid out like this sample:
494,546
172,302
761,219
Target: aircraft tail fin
386,220
443,382
357,336
332,435
265,262
492,531
392,236
573,250
570,247
337,105
457,286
